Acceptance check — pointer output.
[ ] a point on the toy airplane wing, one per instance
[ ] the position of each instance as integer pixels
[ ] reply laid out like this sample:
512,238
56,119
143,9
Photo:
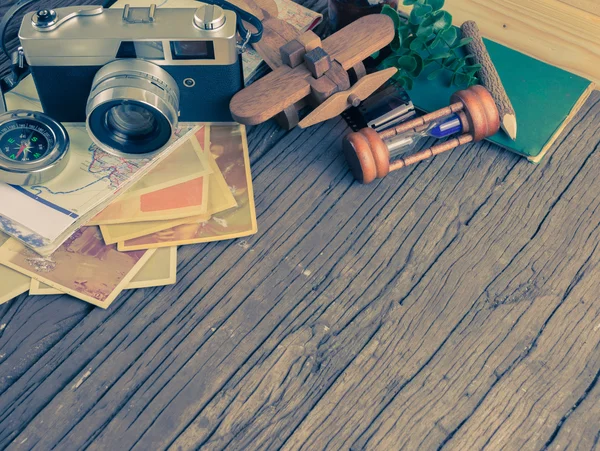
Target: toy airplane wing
270,95
359,40
287,86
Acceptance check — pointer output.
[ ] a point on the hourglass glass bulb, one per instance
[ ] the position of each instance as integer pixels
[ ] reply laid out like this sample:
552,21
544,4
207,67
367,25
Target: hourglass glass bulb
439,128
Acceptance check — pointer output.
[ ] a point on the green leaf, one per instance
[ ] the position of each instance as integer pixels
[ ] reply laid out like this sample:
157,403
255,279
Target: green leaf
462,42
440,56
449,61
419,67
402,51
436,4
429,64
375,55
414,18
424,31
404,31
461,79
454,66
407,63
391,12
472,70
429,20
390,61
417,45
458,64
436,73
408,41
409,84
422,10
436,43
443,21
429,40
418,13
396,43
400,80
409,2
449,36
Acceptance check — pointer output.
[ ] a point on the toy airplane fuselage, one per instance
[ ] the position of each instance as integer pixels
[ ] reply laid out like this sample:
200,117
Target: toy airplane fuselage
287,89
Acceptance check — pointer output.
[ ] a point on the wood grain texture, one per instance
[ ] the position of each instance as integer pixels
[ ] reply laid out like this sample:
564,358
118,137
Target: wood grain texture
591,6
549,30
450,305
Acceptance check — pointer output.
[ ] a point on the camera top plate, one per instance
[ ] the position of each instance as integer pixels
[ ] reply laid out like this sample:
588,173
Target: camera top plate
48,19
92,36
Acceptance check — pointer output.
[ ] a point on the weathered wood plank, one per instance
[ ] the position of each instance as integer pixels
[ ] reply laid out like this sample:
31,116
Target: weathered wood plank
280,302
434,168
405,312
396,352
577,431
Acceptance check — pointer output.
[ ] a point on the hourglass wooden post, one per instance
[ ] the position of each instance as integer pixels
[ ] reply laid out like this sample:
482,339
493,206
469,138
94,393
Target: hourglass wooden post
368,153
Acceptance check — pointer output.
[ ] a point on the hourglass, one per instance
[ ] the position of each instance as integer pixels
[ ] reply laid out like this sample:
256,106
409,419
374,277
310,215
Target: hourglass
472,114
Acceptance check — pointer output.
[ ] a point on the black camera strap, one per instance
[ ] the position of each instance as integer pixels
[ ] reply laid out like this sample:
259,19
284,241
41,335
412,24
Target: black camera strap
18,66
242,15
12,11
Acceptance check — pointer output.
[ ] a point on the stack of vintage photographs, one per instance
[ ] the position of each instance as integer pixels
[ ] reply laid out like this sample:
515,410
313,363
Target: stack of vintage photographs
201,192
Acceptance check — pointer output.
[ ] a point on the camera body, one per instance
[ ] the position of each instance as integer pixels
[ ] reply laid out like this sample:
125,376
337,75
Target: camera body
66,49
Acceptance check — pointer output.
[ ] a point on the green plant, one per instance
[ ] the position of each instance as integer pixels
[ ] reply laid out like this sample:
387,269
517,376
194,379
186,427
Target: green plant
426,39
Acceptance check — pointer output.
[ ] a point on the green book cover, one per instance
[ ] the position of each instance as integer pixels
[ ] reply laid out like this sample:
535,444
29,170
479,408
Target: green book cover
544,97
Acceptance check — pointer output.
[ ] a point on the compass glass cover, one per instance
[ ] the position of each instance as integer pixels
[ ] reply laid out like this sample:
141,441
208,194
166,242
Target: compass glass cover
25,140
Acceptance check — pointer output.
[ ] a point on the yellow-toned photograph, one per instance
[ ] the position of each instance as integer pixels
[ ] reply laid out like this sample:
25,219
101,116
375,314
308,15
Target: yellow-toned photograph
229,148
83,266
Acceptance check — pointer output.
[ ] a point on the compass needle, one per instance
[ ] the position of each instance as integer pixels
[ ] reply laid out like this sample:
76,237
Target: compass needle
33,147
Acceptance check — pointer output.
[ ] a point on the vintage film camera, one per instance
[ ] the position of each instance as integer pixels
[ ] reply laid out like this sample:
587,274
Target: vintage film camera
132,74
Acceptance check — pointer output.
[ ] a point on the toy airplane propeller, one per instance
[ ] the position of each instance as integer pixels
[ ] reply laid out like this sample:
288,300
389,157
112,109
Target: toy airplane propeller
329,76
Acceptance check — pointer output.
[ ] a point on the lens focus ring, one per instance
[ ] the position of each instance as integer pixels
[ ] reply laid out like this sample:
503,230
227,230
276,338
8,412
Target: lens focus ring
124,90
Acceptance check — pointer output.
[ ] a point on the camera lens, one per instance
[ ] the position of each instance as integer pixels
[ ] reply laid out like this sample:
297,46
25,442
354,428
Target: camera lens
130,121
132,109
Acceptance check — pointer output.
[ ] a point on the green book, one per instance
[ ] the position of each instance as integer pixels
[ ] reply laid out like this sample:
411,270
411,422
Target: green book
545,98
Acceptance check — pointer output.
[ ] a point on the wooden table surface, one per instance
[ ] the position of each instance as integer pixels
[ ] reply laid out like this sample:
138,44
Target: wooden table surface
453,304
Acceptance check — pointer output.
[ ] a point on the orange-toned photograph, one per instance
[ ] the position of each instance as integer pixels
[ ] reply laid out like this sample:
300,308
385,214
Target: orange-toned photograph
229,148
160,201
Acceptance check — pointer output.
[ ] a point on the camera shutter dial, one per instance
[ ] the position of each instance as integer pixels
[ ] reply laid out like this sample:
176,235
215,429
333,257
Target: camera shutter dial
209,17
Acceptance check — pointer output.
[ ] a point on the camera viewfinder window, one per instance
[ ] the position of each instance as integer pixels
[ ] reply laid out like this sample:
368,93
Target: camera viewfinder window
193,50
150,50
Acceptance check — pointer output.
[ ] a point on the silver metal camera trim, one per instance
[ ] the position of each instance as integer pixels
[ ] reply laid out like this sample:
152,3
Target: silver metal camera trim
78,11
137,80
47,167
128,12
209,18
99,32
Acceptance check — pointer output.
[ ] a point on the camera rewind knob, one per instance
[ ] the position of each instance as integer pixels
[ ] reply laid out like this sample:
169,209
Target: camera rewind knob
209,17
44,18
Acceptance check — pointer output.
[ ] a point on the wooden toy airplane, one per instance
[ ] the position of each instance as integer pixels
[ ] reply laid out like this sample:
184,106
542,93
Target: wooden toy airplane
327,75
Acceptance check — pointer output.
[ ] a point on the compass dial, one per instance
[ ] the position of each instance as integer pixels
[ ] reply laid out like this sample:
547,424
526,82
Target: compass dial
25,140
34,148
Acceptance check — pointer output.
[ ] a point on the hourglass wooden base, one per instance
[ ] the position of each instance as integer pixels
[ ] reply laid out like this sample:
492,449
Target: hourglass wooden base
369,157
